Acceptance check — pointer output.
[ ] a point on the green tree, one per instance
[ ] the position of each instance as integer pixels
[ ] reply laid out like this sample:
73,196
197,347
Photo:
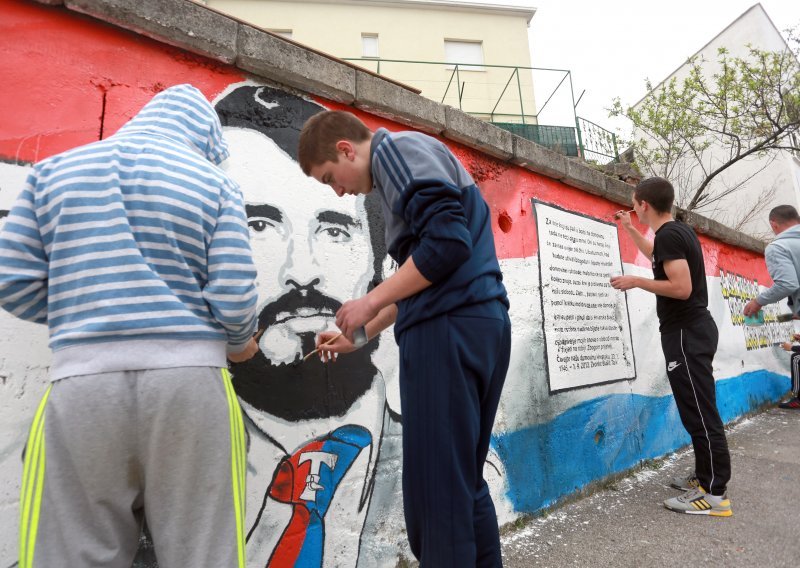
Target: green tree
723,112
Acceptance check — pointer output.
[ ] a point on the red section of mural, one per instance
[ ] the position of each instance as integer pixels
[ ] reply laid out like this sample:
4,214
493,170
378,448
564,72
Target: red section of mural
509,189
66,72
76,80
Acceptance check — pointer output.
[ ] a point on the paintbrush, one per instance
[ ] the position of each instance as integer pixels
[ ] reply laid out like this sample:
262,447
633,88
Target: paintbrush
620,212
331,340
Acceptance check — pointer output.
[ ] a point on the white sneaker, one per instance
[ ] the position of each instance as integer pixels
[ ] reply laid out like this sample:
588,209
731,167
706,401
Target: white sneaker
698,502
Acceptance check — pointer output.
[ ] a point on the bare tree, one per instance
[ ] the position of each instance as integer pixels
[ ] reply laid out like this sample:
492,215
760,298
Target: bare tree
692,131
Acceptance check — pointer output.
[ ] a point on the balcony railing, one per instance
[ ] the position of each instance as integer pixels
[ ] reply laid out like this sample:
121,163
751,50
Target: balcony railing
561,139
496,97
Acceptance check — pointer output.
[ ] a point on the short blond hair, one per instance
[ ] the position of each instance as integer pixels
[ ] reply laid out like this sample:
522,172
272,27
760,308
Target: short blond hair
322,131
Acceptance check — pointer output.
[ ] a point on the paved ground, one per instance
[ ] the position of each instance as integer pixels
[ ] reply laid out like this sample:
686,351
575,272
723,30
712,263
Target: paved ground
627,525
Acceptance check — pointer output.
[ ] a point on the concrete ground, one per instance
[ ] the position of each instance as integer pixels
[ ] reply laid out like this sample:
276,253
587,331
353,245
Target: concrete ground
626,524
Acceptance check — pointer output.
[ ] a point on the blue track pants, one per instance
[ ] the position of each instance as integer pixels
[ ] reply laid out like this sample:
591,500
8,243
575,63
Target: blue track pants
452,370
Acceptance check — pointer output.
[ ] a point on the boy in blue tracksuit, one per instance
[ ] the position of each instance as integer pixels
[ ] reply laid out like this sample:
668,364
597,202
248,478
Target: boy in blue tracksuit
450,310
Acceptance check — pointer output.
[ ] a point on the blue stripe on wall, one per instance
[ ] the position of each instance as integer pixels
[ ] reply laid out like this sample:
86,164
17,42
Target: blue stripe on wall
610,434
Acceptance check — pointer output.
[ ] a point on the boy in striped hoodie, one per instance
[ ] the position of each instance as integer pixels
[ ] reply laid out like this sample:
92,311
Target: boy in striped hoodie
134,251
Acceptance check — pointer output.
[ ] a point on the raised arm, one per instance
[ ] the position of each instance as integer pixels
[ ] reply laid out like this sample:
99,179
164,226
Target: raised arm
642,243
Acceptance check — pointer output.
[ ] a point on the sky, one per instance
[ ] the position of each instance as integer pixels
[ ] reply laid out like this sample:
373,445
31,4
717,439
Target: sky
611,47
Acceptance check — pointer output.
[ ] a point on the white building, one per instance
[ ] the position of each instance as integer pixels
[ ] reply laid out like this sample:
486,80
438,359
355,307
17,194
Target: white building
773,180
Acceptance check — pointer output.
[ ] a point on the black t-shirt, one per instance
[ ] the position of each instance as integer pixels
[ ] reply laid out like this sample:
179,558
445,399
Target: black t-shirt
675,240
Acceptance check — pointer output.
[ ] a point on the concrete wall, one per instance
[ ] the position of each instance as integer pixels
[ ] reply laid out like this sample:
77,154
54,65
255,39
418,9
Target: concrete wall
775,175
83,78
336,28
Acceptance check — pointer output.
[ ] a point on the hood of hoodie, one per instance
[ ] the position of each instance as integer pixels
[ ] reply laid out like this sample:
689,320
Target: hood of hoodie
789,234
183,114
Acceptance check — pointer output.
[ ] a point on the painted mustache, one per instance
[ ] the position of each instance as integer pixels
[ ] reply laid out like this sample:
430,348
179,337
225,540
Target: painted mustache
305,302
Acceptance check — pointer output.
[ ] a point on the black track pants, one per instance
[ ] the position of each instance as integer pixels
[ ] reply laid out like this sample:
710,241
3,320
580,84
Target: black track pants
689,353
795,374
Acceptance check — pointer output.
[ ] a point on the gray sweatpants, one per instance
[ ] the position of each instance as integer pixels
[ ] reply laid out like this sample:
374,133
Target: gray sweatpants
106,449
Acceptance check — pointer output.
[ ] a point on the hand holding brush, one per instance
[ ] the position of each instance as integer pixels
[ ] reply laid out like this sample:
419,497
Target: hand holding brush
359,336
249,350
321,345
618,215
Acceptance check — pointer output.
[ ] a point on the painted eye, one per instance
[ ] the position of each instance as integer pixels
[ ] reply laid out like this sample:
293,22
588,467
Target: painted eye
335,234
257,224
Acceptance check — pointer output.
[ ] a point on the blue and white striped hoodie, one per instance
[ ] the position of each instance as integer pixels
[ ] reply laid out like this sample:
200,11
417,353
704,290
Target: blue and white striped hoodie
134,250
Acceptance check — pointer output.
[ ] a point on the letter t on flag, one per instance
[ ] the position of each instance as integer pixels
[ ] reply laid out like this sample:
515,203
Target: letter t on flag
307,480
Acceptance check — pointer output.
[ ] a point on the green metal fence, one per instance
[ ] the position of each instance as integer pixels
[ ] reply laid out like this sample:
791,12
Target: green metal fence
597,143
558,138
588,141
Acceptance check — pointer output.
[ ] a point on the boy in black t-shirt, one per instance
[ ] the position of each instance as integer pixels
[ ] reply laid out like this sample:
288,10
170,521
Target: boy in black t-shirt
689,341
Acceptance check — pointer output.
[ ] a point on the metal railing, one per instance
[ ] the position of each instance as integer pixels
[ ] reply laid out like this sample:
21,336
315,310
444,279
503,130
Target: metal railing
561,139
497,88
586,139
597,144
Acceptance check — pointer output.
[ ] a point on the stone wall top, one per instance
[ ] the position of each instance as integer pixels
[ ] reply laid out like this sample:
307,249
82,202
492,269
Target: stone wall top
204,31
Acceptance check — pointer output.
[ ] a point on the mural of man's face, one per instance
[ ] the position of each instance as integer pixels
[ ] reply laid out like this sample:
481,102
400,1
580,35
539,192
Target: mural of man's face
311,248
312,251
